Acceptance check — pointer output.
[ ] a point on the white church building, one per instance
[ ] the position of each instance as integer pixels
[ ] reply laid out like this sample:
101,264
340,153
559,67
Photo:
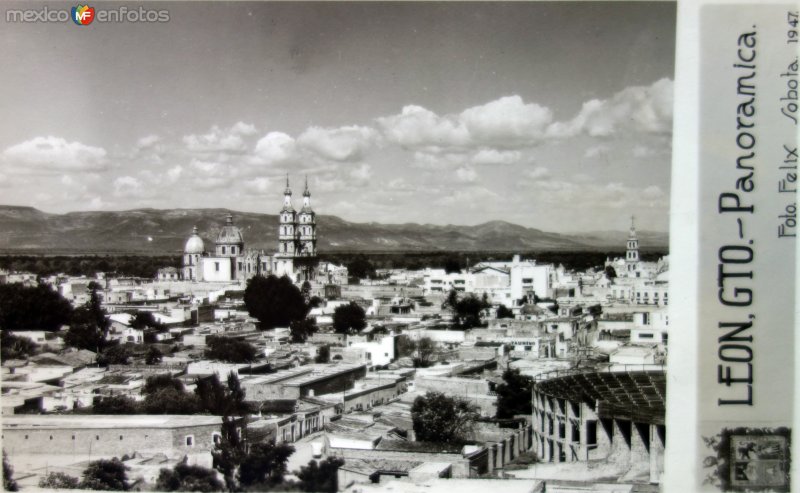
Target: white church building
230,261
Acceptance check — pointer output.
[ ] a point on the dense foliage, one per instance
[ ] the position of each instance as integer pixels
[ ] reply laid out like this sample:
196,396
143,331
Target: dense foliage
504,312
274,301
184,477
88,265
443,419
514,394
230,350
32,308
349,319
15,347
106,475
59,481
89,324
264,464
301,330
320,476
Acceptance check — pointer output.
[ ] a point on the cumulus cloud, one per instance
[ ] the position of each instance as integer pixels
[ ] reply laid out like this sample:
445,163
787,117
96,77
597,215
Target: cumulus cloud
639,109
338,144
494,156
417,127
220,140
466,174
275,147
507,121
147,141
470,197
55,154
174,173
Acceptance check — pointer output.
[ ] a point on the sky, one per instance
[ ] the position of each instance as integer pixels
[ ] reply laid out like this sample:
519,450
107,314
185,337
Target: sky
553,115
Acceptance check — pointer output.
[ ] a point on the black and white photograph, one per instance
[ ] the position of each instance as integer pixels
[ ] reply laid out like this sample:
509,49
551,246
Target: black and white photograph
336,246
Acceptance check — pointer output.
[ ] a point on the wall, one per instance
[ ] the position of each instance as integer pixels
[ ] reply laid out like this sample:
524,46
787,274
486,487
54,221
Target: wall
106,442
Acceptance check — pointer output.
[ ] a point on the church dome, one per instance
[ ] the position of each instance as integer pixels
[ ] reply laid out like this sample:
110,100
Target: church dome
194,244
230,234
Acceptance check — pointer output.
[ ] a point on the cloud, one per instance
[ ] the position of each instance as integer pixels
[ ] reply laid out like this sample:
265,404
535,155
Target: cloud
361,174
127,187
55,154
220,140
466,174
258,186
596,151
338,144
417,127
494,156
642,109
174,173
147,141
537,173
471,197
507,121
275,147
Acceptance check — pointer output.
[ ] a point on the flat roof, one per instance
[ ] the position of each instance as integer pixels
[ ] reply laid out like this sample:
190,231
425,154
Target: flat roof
97,421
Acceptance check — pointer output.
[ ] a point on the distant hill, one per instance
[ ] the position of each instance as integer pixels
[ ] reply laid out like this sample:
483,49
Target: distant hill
153,231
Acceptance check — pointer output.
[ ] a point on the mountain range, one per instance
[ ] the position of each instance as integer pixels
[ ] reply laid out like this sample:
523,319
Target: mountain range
164,231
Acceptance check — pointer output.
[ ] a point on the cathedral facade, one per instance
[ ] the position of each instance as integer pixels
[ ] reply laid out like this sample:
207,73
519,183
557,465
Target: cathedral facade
230,261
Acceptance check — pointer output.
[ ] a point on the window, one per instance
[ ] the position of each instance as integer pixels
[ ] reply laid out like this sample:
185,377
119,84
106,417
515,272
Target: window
190,440
233,249
216,438
216,266
120,437
223,250
97,437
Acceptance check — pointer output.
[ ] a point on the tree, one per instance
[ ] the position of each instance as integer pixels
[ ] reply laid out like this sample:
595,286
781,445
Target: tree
143,320
89,324
228,452
219,400
323,354
9,484
404,346
349,319
440,418
451,301
426,350
153,356
315,302
301,330
59,481
468,312
184,477
360,268
168,400
15,347
322,477
514,395
106,475
452,265
115,404
305,290
155,383
118,354
274,301
32,308
230,350
504,312
265,464
611,272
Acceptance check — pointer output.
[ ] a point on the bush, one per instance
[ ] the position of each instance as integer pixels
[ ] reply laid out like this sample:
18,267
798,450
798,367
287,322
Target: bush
184,477
59,481
106,475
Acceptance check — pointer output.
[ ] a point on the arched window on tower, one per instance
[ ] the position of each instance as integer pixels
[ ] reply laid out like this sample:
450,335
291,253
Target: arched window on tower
223,250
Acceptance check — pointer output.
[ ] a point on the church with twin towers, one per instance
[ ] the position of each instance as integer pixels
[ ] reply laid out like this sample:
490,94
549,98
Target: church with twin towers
231,261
